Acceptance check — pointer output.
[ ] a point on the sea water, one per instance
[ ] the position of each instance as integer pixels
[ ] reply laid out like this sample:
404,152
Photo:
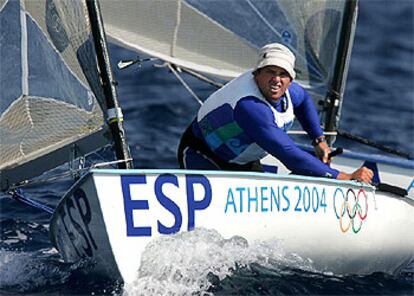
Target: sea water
379,105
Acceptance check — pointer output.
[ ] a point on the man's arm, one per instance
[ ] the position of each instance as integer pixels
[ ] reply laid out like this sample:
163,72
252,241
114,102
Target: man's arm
305,112
256,119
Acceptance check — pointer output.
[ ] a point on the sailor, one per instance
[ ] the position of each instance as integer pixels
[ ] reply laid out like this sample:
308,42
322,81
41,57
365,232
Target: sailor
248,118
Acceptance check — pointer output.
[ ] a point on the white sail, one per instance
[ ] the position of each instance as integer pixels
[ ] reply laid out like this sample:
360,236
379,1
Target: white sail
176,32
222,37
51,96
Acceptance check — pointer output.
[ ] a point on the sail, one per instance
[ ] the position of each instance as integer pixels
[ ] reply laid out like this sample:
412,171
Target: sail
179,33
50,91
223,37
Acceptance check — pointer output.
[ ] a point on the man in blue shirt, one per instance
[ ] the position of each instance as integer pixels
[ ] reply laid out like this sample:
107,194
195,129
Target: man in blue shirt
248,118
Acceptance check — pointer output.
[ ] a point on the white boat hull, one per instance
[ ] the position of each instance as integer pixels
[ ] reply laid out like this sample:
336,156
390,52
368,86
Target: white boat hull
111,216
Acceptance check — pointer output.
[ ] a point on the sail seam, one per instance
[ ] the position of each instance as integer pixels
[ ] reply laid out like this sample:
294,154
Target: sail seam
25,74
24,47
177,26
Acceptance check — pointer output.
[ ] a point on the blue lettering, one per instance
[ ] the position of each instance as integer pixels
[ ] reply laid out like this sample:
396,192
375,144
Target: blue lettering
252,199
230,201
315,197
323,200
306,199
297,209
168,204
131,205
275,198
194,205
240,190
263,199
286,198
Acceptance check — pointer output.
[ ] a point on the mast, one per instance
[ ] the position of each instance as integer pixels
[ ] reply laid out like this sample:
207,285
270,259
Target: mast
333,101
114,113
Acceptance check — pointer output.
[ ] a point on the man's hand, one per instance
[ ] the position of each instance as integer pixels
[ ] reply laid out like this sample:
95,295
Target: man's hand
322,151
362,174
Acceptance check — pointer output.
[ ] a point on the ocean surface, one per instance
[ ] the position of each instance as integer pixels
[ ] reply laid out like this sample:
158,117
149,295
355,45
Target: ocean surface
379,105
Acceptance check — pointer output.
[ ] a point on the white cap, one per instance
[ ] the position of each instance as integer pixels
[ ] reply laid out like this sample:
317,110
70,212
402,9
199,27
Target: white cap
276,54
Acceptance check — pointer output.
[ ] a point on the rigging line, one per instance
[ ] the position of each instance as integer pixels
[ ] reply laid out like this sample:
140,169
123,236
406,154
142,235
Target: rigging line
184,83
203,78
18,195
103,151
67,174
177,25
368,142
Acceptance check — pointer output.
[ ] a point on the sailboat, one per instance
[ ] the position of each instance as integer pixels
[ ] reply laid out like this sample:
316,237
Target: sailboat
62,103
204,37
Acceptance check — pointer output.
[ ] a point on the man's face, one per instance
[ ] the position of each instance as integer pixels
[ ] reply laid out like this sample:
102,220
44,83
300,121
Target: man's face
272,82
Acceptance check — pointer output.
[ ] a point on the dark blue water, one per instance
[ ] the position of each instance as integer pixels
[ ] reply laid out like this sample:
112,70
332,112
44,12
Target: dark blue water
379,104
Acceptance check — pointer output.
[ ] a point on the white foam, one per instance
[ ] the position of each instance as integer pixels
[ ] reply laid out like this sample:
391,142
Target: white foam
15,239
182,264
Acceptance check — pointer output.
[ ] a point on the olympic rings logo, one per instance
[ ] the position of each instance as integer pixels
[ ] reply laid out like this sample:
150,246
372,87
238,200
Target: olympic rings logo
354,210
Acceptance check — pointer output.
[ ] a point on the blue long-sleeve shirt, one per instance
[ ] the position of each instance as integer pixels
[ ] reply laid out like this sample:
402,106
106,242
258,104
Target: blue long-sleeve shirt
256,119
229,129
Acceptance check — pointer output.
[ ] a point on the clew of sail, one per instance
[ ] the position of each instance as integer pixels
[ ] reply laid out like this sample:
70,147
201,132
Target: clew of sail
223,37
51,99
